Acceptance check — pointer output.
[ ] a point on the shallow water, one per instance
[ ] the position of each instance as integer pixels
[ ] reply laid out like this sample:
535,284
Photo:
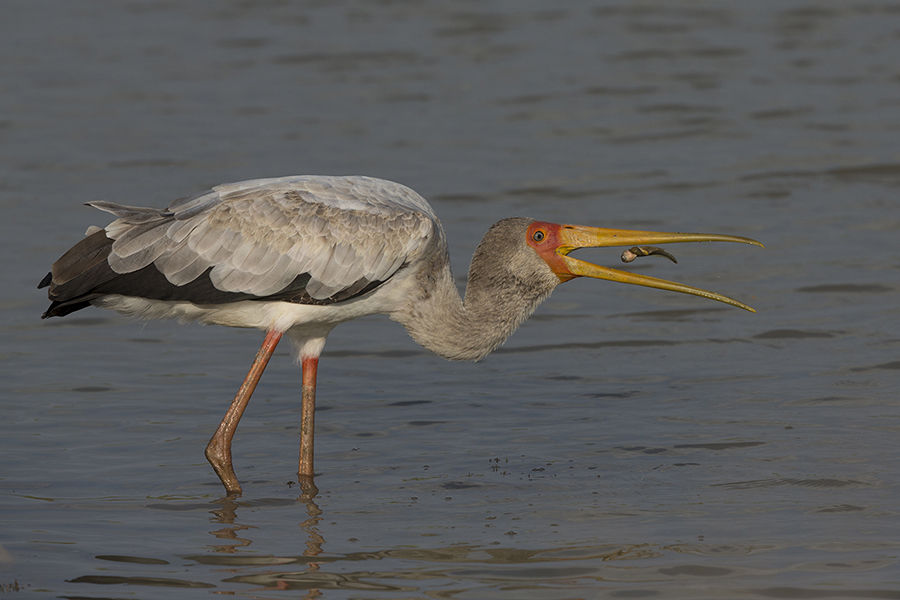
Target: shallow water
625,442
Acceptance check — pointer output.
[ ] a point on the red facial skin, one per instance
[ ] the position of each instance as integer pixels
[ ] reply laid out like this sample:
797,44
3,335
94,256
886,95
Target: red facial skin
547,247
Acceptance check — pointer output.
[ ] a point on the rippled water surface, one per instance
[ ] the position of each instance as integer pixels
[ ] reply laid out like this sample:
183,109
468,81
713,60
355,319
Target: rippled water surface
624,443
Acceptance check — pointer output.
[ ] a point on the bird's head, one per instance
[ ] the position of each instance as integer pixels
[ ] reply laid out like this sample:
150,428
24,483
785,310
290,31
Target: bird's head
554,242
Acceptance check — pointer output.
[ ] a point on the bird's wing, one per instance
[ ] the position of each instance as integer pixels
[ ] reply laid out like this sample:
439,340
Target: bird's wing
258,237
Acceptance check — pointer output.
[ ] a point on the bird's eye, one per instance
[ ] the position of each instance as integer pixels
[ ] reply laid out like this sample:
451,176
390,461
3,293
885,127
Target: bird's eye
538,236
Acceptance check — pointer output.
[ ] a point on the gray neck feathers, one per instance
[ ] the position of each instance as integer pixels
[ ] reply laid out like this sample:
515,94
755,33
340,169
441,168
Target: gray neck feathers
507,281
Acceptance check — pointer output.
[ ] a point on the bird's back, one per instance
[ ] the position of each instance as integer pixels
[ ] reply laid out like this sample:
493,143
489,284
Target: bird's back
304,239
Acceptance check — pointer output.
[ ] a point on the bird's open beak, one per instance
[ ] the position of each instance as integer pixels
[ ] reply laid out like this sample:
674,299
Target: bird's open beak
572,237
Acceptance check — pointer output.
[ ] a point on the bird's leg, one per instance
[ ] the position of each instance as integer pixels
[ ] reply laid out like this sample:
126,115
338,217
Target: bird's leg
307,418
218,451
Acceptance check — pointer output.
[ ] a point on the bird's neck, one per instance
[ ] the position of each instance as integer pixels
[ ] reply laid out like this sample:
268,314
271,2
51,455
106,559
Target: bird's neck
496,303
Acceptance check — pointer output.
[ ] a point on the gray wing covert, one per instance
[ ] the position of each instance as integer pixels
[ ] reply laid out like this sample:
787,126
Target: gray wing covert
257,237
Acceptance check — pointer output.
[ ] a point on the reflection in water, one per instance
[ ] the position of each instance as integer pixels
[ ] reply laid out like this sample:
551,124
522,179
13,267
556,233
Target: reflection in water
523,565
484,570
142,581
309,579
530,568
315,581
227,515
316,541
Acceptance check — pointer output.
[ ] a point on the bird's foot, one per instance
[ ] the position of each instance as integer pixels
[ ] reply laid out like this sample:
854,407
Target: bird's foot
308,489
220,459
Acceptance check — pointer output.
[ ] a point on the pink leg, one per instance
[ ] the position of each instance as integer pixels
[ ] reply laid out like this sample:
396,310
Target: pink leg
218,451
308,417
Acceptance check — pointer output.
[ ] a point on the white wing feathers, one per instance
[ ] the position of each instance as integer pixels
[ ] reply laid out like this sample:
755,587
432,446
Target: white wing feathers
258,236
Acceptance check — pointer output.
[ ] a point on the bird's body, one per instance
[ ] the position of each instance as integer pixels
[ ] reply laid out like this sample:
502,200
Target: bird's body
294,254
300,255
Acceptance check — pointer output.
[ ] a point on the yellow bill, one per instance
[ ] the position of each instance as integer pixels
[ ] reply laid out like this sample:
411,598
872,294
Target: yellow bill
567,238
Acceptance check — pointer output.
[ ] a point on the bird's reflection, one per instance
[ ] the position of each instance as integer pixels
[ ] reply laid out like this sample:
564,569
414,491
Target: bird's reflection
230,532
227,515
316,541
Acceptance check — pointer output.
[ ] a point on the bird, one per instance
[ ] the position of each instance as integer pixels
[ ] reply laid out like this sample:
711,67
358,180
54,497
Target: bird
299,255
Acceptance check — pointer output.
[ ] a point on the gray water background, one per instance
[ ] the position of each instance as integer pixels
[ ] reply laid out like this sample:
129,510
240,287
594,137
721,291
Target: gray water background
625,442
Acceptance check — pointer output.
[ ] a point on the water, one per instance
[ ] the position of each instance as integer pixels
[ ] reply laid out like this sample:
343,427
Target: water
624,443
